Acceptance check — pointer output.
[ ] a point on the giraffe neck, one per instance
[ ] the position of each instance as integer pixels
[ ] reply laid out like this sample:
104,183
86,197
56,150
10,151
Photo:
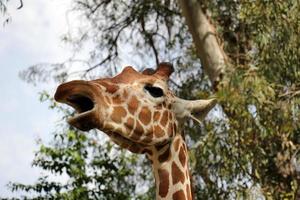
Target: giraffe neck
170,168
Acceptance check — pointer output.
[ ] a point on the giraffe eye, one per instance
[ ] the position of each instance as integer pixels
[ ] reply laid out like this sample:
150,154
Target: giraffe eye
154,91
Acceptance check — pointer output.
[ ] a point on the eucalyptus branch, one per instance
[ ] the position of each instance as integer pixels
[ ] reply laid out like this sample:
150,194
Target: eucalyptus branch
149,39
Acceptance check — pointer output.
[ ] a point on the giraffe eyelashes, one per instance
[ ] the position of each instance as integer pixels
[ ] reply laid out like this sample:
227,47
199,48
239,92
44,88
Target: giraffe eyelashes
154,91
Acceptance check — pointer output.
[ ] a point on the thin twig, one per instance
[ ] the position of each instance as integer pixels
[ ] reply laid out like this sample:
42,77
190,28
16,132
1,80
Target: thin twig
290,93
149,36
108,57
21,4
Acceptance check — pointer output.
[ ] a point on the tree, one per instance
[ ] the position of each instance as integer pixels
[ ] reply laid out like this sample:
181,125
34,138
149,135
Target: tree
249,51
4,10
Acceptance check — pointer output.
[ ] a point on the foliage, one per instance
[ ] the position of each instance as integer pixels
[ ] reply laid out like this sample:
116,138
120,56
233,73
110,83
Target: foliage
254,136
256,141
94,169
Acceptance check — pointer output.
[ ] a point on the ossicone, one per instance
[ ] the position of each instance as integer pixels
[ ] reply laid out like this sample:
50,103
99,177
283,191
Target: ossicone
163,70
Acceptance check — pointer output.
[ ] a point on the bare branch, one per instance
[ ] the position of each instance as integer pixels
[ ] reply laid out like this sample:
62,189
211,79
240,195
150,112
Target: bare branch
204,35
21,4
150,39
107,58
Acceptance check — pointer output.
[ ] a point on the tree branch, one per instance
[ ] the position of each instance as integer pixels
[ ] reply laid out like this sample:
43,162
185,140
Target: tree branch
21,4
149,37
211,54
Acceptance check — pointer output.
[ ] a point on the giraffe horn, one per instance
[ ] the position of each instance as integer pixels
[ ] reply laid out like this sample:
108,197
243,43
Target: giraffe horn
187,108
164,70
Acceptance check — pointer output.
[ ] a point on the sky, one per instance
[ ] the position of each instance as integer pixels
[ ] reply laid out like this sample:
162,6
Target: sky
33,36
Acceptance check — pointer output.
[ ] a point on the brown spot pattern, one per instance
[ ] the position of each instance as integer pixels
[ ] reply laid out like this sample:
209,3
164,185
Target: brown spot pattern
164,118
134,148
118,113
156,116
158,132
109,87
179,195
147,151
138,131
117,99
133,104
170,129
182,157
163,182
148,138
159,147
164,156
176,144
177,174
139,128
130,122
145,115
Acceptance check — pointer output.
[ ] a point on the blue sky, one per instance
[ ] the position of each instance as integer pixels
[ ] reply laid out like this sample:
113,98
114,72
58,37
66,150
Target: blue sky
33,36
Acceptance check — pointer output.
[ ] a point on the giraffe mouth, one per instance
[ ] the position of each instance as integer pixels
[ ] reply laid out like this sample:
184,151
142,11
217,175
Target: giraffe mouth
84,109
79,96
80,103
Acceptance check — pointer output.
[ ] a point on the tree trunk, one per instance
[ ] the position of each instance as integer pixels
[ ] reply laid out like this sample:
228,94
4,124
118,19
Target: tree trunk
203,32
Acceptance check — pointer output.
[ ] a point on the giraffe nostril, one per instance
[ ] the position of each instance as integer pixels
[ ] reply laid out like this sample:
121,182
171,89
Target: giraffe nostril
81,103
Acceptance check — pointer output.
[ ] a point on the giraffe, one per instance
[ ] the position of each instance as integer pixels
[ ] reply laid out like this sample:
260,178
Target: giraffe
139,113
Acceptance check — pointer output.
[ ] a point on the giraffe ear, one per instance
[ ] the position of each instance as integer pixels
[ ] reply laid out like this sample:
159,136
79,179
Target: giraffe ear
190,108
164,70
200,108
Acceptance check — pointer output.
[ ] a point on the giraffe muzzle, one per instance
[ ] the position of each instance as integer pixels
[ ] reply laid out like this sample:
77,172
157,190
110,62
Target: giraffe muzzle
78,95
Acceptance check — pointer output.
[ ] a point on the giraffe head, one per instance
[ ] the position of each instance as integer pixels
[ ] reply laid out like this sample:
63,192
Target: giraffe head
134,109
